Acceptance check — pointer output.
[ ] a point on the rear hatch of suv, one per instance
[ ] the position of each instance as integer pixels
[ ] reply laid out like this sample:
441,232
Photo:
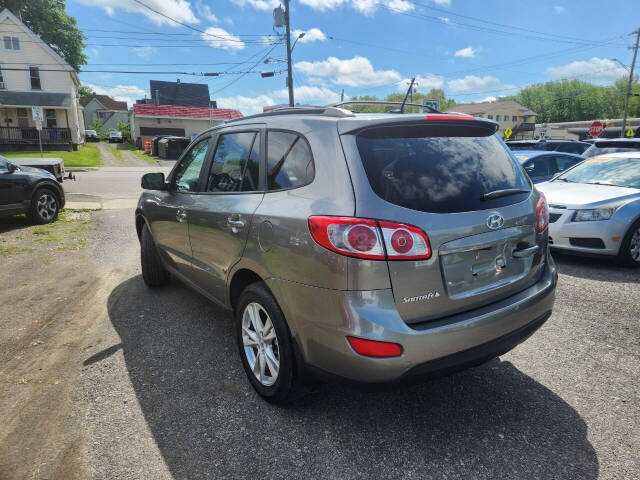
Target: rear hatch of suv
451,177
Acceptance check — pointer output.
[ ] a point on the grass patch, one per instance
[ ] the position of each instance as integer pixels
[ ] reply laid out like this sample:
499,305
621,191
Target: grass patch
116,153
86,156
139,153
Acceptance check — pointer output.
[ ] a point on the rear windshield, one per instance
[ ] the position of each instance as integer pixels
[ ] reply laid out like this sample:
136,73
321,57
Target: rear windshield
439,169
602,149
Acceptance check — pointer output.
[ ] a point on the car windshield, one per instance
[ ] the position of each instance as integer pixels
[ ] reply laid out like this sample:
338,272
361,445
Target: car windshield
440,169
619,171
90,132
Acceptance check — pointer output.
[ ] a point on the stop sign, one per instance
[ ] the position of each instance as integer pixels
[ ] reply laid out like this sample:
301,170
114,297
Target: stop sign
595,129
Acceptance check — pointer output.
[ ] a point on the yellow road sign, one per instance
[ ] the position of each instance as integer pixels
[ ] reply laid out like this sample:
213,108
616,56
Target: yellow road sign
630,133
508,132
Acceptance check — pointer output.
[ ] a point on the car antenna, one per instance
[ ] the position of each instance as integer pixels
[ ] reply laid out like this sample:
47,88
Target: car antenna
407,94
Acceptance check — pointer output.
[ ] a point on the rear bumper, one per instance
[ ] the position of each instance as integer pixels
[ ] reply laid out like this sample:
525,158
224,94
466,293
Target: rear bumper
321,319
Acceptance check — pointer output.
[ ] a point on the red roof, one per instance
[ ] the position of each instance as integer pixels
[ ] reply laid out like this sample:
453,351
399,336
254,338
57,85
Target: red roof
186,112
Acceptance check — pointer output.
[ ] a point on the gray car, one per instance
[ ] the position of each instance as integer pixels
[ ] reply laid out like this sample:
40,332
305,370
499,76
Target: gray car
595,207
371,248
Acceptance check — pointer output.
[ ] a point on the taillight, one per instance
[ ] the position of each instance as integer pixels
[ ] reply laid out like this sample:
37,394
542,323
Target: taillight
542,214
375,348
364,238
354,237
405,242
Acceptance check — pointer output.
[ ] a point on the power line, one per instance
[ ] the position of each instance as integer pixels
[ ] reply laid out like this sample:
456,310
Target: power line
241,76
145,72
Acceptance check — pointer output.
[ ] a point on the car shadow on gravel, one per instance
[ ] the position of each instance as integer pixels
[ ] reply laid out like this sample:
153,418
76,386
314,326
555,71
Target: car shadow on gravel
595,268
19,222
489,422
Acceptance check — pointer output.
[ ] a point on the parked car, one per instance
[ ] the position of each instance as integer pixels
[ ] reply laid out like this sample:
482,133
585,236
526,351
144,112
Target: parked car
33,191
91,136
366,247
612,145
115,137
566,146
595,207
542,166
55,166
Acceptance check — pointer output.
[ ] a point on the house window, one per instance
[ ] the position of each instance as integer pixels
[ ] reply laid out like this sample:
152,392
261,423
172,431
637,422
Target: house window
11,43
497,118
52,121
514,119
23,120
490,117
34,77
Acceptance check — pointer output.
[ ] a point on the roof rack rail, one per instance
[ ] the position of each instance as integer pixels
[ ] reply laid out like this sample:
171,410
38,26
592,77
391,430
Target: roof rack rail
328,111
384,103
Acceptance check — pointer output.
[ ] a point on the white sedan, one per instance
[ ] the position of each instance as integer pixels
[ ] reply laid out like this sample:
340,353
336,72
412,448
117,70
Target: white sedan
594,207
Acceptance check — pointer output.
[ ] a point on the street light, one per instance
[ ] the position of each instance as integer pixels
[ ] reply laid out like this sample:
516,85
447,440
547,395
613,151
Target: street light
296,40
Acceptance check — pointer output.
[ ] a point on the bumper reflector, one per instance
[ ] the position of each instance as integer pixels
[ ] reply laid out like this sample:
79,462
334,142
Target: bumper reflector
374,348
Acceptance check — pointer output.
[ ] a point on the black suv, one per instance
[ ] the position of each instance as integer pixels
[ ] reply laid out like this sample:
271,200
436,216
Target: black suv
33,191
565,146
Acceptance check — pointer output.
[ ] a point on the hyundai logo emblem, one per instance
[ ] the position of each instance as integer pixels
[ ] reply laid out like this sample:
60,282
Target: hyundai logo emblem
495,221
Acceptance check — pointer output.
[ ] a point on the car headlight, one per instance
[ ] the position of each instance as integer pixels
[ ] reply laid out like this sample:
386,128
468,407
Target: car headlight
594,214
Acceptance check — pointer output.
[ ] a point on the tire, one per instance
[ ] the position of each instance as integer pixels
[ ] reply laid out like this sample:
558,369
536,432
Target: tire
44,206
153,273
630,249
278,388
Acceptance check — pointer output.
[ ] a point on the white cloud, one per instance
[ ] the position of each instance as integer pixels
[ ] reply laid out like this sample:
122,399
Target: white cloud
353,72
217,37
597,70
558,9
122,93
488,99
204,11
445,19
309,94
472,83
246,105
424,83
145,52
367,7
177,9
444,3
468,52
310,35
263,5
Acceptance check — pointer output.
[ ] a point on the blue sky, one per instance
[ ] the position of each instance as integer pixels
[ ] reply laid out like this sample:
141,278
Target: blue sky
472,49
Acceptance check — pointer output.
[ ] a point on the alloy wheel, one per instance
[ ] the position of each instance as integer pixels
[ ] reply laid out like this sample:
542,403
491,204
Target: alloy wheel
47,206
260,344
634,246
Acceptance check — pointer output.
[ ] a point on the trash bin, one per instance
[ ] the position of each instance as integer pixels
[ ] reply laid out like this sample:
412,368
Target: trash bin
154,146
170,148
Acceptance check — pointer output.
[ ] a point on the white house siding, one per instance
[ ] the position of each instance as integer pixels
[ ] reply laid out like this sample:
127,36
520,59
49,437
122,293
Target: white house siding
33,53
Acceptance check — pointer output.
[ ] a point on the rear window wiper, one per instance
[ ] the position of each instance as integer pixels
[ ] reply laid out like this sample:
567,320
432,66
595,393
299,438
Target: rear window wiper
503,193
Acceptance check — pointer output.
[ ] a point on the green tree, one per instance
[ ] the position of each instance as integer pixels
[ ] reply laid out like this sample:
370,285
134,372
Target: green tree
48,19
124,129
96,125
85,91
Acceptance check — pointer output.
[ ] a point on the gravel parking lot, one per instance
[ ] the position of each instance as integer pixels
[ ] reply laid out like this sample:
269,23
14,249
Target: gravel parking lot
149,385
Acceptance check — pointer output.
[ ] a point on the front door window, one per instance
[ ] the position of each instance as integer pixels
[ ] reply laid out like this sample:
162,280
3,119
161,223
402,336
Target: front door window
188,172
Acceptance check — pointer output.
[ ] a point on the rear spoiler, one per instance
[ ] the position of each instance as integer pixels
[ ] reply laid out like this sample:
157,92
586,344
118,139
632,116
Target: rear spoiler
358,123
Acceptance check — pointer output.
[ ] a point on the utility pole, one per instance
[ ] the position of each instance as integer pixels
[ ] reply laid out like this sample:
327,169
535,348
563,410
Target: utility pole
289,67
342,96
626,102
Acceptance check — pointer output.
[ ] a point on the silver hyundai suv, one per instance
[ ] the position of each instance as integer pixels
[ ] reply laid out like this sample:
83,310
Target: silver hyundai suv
367,247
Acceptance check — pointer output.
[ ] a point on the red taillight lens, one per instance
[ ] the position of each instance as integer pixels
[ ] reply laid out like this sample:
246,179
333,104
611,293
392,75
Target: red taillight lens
542,214
364,237
405,242
354,237
374,348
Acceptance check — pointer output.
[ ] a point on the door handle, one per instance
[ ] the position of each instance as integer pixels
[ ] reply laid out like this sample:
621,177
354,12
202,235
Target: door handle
526,252
181,215
235,223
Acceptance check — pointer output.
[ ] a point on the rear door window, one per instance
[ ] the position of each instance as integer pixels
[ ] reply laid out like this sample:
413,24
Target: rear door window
439,169
539,168
289,161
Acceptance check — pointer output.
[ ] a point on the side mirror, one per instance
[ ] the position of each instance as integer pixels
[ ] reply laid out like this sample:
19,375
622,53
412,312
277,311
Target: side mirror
153,181
12,168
